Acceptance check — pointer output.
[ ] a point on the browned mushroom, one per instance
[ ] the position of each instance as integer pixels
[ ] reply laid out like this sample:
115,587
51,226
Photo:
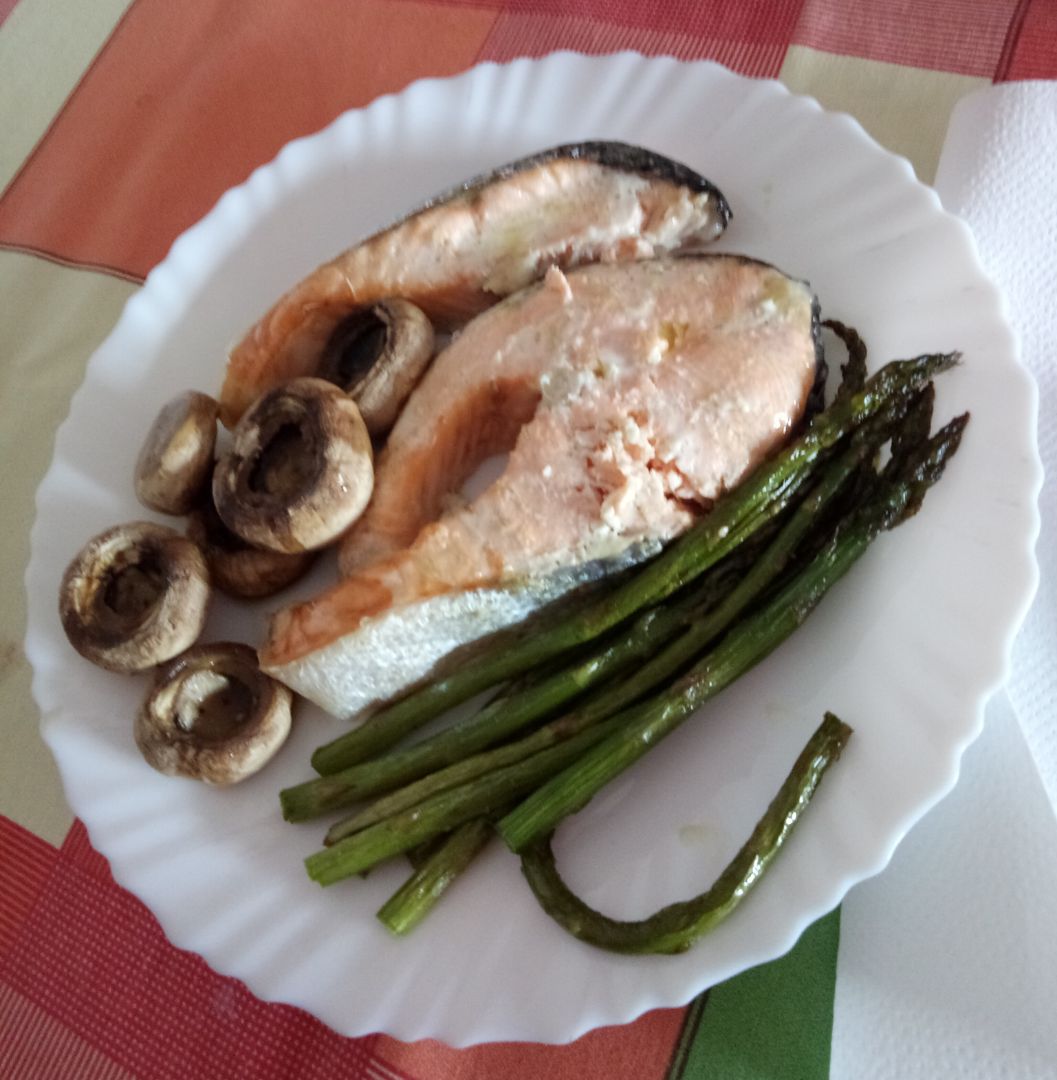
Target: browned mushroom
300,469
134,596
376,356
172,471
235,567
213,715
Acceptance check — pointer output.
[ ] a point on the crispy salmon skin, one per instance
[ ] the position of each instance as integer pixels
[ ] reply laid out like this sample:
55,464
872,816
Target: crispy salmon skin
487,238
629,397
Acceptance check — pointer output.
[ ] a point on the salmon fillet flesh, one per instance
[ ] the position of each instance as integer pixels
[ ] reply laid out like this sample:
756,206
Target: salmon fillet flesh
628,396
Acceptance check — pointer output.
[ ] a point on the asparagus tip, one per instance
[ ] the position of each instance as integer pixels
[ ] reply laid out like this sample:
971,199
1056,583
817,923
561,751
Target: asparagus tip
945,361
931,364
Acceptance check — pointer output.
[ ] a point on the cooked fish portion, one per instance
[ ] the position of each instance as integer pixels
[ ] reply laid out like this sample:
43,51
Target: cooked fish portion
600,330
629,396
597,201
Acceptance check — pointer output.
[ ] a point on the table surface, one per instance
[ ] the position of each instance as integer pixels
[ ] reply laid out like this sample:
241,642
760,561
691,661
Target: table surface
122,124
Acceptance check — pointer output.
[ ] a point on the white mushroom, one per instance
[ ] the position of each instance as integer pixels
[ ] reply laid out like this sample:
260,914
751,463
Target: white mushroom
172,471
213,715
376,356
300,469
134,596
237,568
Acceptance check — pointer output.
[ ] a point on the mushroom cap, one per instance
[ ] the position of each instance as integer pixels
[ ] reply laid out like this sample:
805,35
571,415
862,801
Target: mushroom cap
213,715
134,596
173,467
237,568
377,355
300,469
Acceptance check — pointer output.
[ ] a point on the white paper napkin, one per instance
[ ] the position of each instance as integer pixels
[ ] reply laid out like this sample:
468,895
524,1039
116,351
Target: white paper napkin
948,960
999,172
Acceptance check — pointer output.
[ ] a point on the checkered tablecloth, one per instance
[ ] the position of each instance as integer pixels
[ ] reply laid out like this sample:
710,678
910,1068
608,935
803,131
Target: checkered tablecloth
121,123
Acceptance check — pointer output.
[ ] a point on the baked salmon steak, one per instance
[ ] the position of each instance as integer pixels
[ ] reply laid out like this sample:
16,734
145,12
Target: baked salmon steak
467,248
629,396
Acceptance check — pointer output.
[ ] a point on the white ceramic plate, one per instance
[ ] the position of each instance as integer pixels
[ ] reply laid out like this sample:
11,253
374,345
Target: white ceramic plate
907,648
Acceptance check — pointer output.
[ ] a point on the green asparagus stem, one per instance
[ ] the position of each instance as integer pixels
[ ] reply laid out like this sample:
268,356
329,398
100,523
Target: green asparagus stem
414,900
735,517
676,927
462,772
743,647
421,854
763,571
448,810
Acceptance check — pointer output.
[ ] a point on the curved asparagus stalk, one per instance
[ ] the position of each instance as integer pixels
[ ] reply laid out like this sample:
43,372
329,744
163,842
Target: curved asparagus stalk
676,927
734,518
